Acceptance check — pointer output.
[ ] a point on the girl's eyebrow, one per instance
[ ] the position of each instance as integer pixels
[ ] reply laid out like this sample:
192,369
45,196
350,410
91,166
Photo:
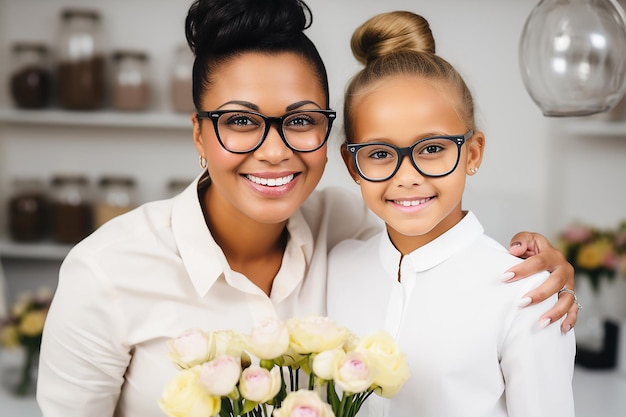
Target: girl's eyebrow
299,104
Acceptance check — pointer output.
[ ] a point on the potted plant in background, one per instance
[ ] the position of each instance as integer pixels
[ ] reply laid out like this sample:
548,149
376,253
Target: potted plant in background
22,329
599,260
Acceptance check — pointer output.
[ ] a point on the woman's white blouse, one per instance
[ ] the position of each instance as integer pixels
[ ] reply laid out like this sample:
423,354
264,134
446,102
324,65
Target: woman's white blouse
472,352
147,276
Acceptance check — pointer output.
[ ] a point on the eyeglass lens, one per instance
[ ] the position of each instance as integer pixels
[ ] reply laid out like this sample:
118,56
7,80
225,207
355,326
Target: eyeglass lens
242,131
434,157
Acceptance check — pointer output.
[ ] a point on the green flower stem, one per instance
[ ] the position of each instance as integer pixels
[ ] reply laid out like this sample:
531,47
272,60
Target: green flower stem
27,369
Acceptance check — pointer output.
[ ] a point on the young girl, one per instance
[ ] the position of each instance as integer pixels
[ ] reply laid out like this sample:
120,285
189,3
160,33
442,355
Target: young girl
431,279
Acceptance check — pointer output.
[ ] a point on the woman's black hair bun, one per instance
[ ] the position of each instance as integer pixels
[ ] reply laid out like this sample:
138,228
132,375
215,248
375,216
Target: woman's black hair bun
216,26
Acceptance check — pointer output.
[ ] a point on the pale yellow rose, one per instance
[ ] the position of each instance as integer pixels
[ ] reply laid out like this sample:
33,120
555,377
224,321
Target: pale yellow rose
10,337
388,363
190,348
185,397
315,334
259,385
325,363
32,323
304,403
228,342
269,339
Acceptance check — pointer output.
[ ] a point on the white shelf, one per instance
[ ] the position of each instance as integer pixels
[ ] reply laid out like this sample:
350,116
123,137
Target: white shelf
45,250
100,118
595,127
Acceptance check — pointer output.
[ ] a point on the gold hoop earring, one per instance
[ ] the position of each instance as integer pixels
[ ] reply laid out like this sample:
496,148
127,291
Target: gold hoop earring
202,162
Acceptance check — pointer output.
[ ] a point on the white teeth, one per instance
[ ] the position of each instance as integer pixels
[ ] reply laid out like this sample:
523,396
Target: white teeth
271,182
406,203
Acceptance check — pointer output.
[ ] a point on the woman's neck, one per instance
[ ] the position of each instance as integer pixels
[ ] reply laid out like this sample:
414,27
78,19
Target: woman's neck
252,248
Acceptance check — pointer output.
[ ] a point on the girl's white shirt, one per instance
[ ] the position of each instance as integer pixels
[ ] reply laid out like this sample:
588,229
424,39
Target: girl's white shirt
150,274
472,352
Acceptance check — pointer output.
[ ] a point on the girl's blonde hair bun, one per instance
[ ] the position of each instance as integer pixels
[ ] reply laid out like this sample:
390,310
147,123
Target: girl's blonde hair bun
391,32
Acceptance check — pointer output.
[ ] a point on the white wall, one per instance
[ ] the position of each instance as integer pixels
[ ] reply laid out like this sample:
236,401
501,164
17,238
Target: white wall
533,176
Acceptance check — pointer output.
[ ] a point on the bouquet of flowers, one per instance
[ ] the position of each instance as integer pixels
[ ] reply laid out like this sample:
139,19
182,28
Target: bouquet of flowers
23,328
594,252
310,366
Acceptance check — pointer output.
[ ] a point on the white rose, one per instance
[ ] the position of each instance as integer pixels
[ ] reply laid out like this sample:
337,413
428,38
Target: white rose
269,339
190,348
259,385
303,403
352,373
388,363
315,334
220,376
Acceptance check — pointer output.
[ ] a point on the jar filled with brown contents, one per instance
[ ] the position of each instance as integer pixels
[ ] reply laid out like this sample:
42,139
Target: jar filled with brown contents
28,210
180,81
81,65
131,88
31,78
71,208
116,195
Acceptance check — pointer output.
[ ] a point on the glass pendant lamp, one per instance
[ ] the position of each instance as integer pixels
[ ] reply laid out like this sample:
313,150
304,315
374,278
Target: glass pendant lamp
572,56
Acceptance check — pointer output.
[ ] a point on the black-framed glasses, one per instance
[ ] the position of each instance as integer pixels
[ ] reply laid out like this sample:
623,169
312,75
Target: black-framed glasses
243,131
435,156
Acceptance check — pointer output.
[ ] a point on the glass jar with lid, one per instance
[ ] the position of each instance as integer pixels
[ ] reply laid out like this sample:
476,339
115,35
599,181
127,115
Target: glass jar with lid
28,210
71,208
131,86
116,195
81,64
31,79
181,80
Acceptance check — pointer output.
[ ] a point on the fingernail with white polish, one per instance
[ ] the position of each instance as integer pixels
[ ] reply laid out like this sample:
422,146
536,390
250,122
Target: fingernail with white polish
524,302
569,327
544,323
507,276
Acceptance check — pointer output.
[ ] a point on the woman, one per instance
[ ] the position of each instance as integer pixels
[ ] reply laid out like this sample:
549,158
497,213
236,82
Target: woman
240,243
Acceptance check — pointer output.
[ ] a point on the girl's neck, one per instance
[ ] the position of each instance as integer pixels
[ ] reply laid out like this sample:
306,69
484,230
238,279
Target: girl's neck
252,248
407,244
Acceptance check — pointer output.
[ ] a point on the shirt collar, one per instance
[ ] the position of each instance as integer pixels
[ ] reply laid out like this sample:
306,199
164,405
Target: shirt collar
205,261
434,253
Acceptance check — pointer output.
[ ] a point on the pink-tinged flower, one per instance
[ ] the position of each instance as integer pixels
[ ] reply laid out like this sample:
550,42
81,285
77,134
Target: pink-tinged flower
303,403
315,334
353,374
259,385
577,233
184,397
190,348
220,376
269,339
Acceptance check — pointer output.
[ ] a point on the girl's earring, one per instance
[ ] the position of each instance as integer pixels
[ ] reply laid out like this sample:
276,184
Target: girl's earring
202,162
358,182
473,170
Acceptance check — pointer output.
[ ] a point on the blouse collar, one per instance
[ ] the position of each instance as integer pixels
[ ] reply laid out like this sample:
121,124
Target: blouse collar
434,253
205,261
